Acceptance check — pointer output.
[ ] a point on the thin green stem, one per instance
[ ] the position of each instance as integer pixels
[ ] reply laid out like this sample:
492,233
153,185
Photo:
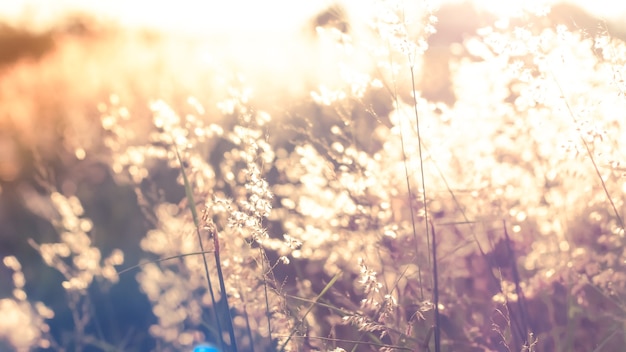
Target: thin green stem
178,256
317,298
192,207
590,154
408,183
431,244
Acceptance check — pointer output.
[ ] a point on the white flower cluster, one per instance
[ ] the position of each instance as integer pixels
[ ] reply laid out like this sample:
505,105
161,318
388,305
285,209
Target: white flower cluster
86,261
23,323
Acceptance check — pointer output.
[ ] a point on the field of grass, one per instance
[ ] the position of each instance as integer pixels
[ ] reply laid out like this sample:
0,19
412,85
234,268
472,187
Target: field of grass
381,178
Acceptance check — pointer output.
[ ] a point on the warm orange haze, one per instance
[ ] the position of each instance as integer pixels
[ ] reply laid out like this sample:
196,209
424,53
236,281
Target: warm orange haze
375,175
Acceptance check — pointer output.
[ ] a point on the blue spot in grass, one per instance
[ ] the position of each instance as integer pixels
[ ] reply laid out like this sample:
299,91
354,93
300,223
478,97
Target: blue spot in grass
205,347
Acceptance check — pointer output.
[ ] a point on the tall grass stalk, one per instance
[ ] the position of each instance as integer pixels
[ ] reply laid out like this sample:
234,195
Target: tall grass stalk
590,154
524,328
431,243
267,301
436,289
192,207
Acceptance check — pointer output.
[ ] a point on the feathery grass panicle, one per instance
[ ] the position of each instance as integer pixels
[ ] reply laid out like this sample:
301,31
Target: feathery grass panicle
430,190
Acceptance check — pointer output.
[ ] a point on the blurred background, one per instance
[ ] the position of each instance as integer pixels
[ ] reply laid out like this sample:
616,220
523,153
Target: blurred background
61,60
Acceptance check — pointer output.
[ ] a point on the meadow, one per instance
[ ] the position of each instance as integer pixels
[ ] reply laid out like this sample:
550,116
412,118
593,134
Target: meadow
392,177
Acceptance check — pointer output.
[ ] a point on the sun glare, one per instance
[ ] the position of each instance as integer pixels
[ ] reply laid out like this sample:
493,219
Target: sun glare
194,17
345,170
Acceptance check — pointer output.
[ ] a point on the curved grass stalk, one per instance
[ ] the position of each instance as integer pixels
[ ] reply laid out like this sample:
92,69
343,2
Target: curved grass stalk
357,343
177,256
317,298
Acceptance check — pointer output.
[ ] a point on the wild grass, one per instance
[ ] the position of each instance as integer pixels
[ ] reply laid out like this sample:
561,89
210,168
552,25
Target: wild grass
364,217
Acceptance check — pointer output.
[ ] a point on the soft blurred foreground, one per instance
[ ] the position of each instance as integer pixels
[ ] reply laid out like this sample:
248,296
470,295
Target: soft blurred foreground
361,176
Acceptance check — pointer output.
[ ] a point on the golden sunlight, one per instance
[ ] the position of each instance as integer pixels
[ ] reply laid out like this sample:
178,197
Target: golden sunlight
358,165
